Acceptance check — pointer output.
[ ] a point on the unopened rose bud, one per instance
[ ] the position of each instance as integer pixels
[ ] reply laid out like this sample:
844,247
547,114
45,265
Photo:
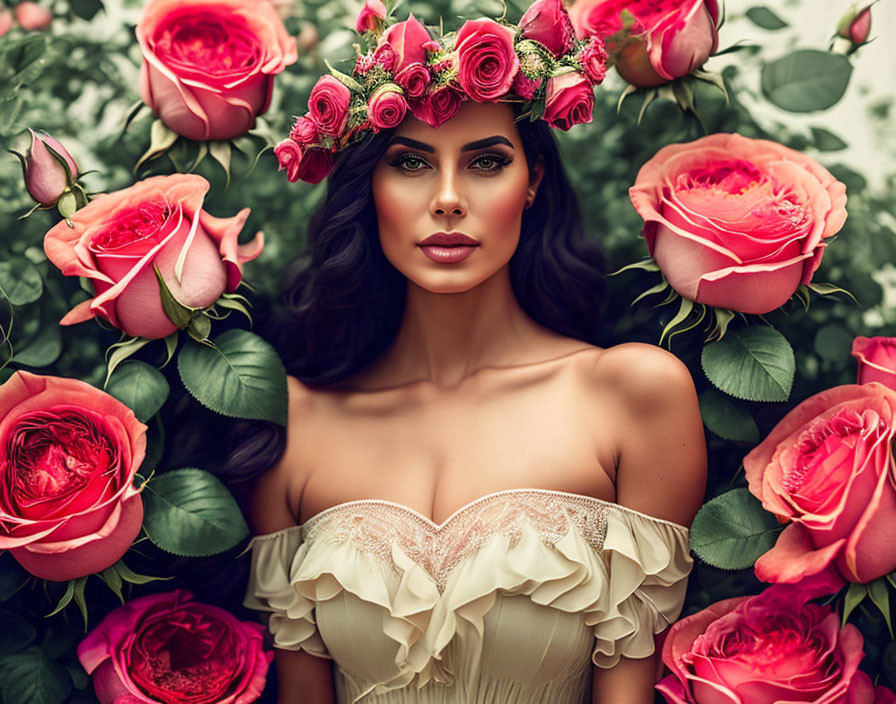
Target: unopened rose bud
32,16
47,174
371,16
5,21
856,25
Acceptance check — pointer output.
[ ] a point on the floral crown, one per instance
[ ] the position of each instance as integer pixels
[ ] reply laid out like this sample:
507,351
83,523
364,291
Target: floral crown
540,63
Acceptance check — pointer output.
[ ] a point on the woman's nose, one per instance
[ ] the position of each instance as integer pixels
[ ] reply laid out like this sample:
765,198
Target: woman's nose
448,198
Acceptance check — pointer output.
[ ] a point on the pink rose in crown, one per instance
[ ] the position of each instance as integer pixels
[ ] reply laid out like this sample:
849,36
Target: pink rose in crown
304,131
328,105
408,40
594,59
547,22
370,17
169,649
120,240
487,61
414,79
310,164
827,471
764,649
68,456
437,106
668,40
387,107
208,67
735,222
877,360
569,100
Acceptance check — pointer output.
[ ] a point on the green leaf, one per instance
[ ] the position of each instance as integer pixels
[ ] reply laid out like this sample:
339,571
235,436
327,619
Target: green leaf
42,349
113,580
833,343
880,595
140,386
855,595
190,513
17,632
31,678
732,531
752,364
20,281
86,9
806,80
764,18
827,141
65,599
120,351
726,418
238,375
12,576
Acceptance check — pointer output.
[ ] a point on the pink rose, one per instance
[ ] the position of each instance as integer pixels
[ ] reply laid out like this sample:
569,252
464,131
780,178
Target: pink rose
877,360
437,106
385,56
524,86
669,38
308,164
304,131
209,67
32,16
827,471
856,25
46,175
737,223
119,239
328,105
569,100
487,61
547,22
168,649
408,39
594,60
764,649
5,21
387,107
414,79
68,456
370,17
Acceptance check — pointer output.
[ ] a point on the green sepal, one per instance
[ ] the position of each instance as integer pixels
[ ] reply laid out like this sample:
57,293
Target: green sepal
855,595
684,310
880,596
177,313
644,264
120,351
823,289
74,590
714,79
161,139
170,346
722,318
658,288
221,151
234,301
200,327
345,79
67,205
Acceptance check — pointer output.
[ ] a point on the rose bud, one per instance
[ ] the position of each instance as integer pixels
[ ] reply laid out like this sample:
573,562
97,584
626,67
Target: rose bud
547,22
877,360
856,26
31,16
408,39
5,21
371,16
48,168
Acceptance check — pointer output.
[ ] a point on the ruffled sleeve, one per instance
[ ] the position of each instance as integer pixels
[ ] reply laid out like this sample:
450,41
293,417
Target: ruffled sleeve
648,562
275,558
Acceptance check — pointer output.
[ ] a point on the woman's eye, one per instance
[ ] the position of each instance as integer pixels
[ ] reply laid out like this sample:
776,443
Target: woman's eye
409,162
491,162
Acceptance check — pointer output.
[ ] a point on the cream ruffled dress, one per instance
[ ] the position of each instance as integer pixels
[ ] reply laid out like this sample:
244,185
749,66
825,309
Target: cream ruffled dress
508,601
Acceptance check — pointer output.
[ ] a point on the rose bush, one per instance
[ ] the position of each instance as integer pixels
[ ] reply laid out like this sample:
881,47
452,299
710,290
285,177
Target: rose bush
877,360
208,67
774,647
735,222
121,240
168,649
487,62
827,470
68,456
668,40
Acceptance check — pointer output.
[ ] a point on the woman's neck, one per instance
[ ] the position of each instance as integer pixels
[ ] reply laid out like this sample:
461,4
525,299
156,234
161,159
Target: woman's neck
444,337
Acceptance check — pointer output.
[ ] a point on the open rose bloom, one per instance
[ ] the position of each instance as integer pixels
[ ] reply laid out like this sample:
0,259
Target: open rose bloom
766,649
737,223
668,40
209,67
877,359
120,239
168,649
827,469
68,456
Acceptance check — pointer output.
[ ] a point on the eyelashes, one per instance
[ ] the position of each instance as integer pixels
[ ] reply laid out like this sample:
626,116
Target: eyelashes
411,162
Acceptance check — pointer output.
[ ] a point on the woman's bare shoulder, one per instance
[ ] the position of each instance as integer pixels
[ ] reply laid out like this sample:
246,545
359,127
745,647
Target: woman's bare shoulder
642,374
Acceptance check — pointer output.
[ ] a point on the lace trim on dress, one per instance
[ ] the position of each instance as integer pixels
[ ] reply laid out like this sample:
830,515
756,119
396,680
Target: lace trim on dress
377,526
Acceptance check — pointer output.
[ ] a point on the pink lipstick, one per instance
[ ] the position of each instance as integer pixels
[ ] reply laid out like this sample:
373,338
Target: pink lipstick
448,247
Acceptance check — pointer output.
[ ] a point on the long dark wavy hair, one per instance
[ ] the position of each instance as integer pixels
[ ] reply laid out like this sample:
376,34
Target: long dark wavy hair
342,302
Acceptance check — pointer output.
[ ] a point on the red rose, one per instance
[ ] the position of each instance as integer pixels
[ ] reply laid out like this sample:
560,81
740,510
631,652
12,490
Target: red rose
68,456
487,61
408,39
437,106
209,67
765,649
547,22
370,17
414,79
304,131
328,105
119,239
735,222
385,56
827,470
168,649
877,360
594,59
310,164
569,100
669,38
525,87
387,107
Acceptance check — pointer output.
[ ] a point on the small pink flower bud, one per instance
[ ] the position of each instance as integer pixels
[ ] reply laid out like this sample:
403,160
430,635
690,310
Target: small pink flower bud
371,16
856,26
32,16
46,174
5,21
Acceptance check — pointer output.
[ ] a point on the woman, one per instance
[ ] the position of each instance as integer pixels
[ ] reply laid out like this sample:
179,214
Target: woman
474,505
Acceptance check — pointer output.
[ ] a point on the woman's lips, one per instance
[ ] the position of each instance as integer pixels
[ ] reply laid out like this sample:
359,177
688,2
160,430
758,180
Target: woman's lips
448,247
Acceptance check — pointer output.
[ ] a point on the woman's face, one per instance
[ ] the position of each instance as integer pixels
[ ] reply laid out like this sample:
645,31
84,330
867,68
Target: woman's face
449,201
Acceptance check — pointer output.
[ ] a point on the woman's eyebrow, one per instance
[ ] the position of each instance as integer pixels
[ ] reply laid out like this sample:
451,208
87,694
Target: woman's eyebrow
478,144
413,143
